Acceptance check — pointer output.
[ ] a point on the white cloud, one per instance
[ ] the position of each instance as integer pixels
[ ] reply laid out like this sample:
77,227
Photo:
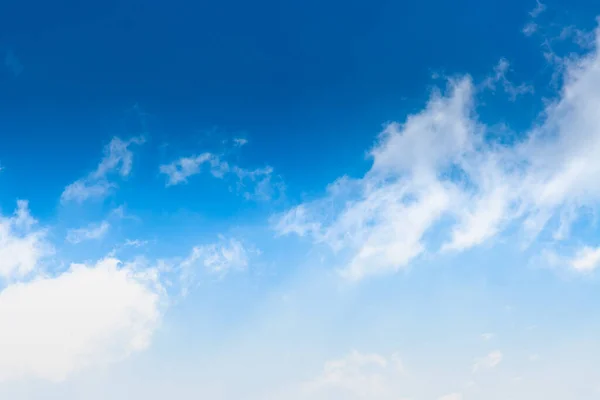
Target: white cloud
21,246
135,243
364,375
220,257
57,323
583,39
539,8
178,171
438,169
530,28
581,260
488,362
81,190
586,259
117,159
91,232
513,91
254,184
487,336
257,183
239,142
88,316
121,213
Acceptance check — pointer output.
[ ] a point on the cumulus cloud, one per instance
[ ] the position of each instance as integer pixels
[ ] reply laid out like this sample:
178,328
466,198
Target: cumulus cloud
21,245
439,169
117,159
57,322
488,362
91,232
88,316
259,183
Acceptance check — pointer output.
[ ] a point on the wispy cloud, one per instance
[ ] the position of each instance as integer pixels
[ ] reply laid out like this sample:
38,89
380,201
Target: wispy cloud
258,184
488,362
216,259
532,27
365,375
136,243
117,160
179,170
499,77
439,165
239,142
91,232
220,257
539,8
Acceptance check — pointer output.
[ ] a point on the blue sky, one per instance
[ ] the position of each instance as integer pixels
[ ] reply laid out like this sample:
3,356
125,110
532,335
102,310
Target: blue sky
360,200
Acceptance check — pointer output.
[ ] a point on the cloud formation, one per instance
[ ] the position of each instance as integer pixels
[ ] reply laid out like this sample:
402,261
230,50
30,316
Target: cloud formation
488,362
439,169
57,322
531,27
22,246
513,91
539,8
359,375
87,316
258,184
117,159
218,259
586,259
91,232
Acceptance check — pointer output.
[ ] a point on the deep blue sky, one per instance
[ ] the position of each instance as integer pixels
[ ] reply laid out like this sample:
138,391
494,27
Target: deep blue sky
293,76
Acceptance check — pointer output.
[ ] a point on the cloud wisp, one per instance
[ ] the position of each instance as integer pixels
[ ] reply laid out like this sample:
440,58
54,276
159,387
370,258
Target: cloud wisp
253,184
117,159
90,232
